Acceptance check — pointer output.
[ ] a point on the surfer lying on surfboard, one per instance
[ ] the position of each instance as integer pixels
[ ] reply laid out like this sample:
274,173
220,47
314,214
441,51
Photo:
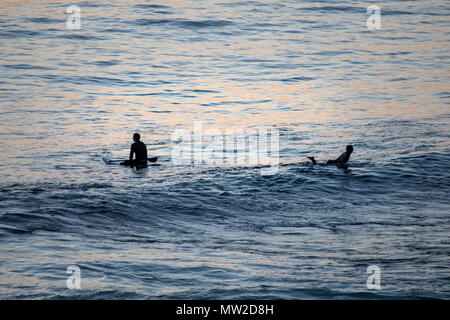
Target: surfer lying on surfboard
139,149
341,160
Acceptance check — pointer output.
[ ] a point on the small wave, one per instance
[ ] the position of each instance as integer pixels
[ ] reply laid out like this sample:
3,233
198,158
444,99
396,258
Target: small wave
92,4
14,33
145,22
205,23
45,20
151,6
46,187
443,94
107,63
246,4
85,186
297,79
92,80
328,9
79,37
25,66
182,23
4,228
115,30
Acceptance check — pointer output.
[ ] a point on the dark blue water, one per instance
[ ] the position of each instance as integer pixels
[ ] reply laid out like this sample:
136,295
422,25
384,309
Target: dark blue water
311,70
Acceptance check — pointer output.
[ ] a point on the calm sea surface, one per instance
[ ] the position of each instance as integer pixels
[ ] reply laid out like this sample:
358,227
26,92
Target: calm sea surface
310,69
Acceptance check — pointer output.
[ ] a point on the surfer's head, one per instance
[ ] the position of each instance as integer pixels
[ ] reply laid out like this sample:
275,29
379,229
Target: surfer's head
349,148
136,137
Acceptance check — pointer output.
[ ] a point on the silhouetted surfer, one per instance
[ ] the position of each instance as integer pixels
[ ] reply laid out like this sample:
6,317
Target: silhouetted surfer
341,160
139,149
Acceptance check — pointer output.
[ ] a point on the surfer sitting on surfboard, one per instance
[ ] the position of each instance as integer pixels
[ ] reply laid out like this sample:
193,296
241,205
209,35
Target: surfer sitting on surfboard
139,149
341,160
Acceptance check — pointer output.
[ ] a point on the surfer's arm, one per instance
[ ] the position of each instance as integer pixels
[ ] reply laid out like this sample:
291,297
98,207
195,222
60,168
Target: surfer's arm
131,153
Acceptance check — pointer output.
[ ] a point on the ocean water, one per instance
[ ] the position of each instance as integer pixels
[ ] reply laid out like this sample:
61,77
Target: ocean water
310,69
